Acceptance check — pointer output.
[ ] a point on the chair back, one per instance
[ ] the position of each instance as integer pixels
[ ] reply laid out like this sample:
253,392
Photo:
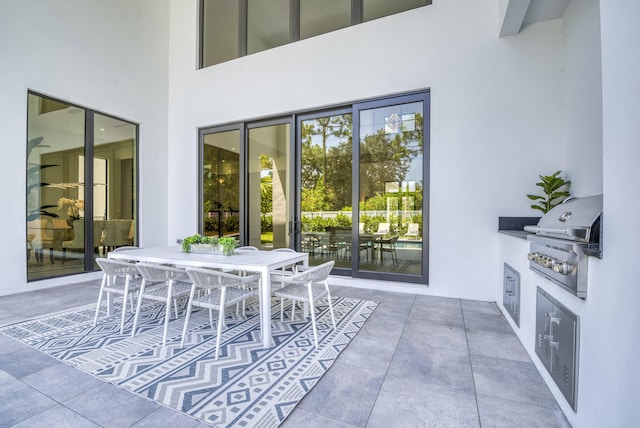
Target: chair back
384,228
116,267
78,235
154,273
413,229
284,250
247,248
208,278
313,274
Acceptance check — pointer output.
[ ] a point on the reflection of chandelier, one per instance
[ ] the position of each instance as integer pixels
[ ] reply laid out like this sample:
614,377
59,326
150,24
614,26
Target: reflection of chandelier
70,185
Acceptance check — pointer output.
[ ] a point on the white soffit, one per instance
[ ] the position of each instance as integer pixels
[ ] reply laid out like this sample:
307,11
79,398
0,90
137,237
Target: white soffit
515,14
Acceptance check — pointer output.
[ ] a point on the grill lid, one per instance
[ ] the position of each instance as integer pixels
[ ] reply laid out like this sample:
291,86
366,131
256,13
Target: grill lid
573,219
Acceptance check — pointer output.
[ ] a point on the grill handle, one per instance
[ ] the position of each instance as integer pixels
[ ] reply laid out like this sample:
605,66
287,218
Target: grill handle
577,232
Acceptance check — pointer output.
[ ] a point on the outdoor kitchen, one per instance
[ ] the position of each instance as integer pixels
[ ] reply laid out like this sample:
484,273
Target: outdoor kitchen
545,282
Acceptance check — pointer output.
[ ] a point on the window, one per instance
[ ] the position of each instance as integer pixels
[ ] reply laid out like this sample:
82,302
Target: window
348,184
233,28
81,187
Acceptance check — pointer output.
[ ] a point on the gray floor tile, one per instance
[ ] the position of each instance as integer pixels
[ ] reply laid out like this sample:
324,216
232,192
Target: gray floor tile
19,402
404,402
490,308
369,353
304,418
110,406
24,361
436,334
511,380
438,302
432,365
165,417
488,322
437,315
57,416
419,361
49,380
497,345
345,393
500,413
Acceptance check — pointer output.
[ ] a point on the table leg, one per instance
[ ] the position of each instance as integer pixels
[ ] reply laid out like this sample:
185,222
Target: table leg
265,308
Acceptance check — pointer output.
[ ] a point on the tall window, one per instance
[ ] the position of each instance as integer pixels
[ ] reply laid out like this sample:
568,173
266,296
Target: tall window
81,187
233,28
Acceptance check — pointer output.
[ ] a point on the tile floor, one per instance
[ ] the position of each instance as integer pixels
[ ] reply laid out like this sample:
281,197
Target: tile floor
419,361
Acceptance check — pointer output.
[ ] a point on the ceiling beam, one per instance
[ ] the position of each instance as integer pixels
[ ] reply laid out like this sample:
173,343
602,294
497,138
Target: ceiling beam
511,16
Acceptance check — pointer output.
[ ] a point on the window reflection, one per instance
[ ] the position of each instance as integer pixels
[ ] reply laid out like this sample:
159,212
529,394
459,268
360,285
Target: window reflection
61,225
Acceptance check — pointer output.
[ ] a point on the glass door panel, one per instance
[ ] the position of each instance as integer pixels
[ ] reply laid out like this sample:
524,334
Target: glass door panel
326,184
114,185
391,189
55,192
221,184
268,186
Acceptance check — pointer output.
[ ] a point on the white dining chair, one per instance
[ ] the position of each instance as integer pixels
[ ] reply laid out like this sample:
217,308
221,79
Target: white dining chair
174,284
222,290
285,270
119,277
308,285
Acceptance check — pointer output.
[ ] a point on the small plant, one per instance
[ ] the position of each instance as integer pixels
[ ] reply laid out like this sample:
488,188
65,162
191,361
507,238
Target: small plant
556,190
227,244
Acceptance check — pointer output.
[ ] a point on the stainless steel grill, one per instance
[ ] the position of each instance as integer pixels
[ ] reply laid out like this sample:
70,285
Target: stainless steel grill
564,239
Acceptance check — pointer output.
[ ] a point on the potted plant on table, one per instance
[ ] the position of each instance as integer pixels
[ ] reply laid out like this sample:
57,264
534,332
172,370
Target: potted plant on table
209,244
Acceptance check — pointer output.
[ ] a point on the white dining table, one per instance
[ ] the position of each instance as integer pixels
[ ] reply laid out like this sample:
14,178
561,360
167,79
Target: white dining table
263,262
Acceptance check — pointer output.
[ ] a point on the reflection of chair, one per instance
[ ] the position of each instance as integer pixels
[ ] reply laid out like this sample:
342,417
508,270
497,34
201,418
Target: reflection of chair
383,229
118,278
307,286
42,238
388,245
77,243
98,235
176,284
223,290
413,231
116,233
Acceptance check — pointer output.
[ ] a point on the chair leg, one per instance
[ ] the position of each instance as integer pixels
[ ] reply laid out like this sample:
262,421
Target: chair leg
281,309
333,319
124,304
188,315
220,323
167,316
135,317
104,281
313,320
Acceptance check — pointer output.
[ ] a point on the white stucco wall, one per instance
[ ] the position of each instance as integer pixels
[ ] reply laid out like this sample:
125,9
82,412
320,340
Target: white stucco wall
582,98
496,111
108,56
599,102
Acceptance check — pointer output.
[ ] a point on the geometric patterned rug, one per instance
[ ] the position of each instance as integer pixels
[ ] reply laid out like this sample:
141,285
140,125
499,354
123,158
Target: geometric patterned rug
247,386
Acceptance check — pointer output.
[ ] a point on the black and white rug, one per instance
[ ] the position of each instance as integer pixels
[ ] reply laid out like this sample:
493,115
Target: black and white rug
248,386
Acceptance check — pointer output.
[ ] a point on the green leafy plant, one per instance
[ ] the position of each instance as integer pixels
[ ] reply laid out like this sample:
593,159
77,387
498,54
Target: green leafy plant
555,189
228,244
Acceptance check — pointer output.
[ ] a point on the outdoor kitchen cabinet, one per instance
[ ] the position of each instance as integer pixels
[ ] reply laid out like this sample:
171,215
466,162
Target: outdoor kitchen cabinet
557,343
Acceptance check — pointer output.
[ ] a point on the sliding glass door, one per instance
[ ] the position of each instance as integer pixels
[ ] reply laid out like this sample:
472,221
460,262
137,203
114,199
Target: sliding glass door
81,187
268,185
349,185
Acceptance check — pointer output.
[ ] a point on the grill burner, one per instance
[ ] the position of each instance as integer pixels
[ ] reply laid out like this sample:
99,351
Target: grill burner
564,239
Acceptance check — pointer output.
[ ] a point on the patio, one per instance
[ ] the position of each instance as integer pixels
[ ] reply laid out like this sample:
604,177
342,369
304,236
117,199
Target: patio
419,361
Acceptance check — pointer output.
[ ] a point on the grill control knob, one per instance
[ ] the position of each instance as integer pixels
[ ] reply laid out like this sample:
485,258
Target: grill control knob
561,267
532,256
549,262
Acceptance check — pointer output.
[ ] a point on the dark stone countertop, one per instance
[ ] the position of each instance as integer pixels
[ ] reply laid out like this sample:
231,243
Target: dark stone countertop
514,226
